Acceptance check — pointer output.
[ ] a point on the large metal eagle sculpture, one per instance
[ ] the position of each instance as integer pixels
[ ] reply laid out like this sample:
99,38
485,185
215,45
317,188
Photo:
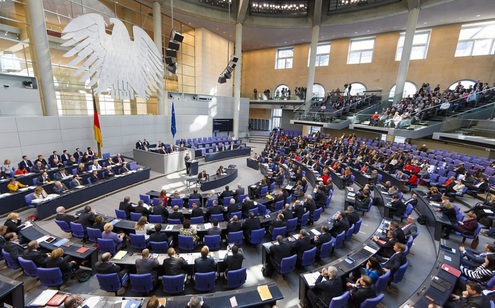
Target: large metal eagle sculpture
121,67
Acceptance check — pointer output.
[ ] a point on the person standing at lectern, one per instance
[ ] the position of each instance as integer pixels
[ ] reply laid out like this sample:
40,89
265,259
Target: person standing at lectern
187,160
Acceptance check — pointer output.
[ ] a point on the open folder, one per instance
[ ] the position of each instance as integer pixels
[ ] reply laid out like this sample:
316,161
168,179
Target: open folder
264,292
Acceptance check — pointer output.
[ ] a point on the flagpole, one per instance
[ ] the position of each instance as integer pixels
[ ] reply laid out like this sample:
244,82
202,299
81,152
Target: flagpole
98,145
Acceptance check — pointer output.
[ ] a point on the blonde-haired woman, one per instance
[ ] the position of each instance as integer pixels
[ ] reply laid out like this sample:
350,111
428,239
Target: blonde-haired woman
108,234
142,227
39,193
13,223
57,259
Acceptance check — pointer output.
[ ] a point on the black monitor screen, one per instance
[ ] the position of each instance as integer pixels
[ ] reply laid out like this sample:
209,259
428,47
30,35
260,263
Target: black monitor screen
223,125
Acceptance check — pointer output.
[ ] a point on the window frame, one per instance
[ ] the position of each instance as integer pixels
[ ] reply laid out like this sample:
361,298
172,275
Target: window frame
473,52
285,59
319,55
361,51
402,36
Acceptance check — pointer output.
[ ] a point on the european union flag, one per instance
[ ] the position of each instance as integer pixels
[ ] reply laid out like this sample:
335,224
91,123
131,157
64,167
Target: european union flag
173,127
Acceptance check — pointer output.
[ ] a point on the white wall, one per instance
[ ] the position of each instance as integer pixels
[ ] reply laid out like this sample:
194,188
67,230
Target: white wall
17,100
41,135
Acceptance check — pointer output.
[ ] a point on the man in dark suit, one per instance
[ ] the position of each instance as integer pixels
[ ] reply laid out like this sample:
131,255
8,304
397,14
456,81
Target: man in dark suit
310,206
351,215
298,210
410,229
107,267
323,238
302,244
12,246
141,208
25,162
215,209
234,261
148,264
239,192
398,208
287,212
65,156
472,258
399,233
361,291
251,223
78,154
205,263
195,195
126,206
279,222
61,215
161,210
247,204
176,214
174,265
158,236
32,253
87,218
226,193
233,207
196,210
396,260
320,197
214,230
234,225
279,250
54,159
327,286
363,200
341,224
139,145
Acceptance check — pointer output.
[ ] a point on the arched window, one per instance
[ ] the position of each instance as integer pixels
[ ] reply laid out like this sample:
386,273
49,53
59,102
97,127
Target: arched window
409,89
466,83
318,90
357,88
280,91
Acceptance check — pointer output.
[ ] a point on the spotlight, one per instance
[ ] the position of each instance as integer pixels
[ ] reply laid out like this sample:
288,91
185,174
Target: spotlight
228,75
222,79
235,58
172,68
176,36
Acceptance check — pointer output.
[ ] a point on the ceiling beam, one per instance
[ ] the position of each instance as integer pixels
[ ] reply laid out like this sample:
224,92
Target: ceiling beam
317,13
413,4
242,11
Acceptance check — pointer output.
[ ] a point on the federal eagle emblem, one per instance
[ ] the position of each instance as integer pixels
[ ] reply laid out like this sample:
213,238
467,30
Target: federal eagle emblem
122,67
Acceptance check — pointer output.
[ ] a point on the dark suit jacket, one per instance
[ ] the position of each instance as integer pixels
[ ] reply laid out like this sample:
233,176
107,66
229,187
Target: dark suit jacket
214,231
14,249
204,265
176,215
398,208
234,226
251,224
158,237
301,245
277,224
175,266
323,238
197,212
298,212
280,251
127,207
106,268
395,261
86,219
339,226
161,210
352,217
63,264
234,262
26,164
359,295
67,218
287,214
37,257
12,226
328,289
239,192
401,237
410,230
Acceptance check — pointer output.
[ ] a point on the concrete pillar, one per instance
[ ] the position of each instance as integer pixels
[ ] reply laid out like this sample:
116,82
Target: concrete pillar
41,48
315,32
157,37
237,78
412,20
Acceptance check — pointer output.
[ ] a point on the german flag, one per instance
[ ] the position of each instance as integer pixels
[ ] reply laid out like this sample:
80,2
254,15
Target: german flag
96,123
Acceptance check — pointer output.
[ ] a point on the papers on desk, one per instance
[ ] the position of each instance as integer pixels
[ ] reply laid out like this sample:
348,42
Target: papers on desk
169,227
61,242
311,278
435,204
24,189
488,211
295,236
289,187
315,232
222,254
5,195
27,224
92,301
115,221
370,249
119,255
264,292
42,239
42,299
233,302
207,225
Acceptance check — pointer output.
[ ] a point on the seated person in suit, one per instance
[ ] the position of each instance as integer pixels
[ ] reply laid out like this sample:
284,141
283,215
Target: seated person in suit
362,199
397,207
279,250
327,286
320,197
195,195
434,194
234,261
95,166
124,169
341,224
467,226
76,181
87,217
279,222
203,176
386,245
298,210
104,266
351,215
410,228
472,258
148,264
287,212
39,193
215,209
13,223
43,178
302,244
12,245
126,206
118,239
361,291
221,171
250,224
99,223
14,185
396,260
176,214
226,193
25,162
196,210
399,233
196,302
205,263
142,208
186,230
94,177
161,210
239,192
108,173
174,264
67,266
81,169
321,239
59,187
232,207
248,204
234,225
61,215
214,230
39,167
158,236
33,253
61,174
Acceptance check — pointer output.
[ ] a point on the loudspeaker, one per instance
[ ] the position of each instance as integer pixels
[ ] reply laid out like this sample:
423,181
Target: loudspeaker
176,36
171,53
173,45
222,79
172,68
235,58
169,60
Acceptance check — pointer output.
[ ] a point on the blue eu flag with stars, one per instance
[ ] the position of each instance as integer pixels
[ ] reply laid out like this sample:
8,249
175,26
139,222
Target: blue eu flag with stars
173,127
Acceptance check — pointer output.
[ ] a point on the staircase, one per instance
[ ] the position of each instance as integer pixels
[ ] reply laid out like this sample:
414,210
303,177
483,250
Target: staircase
259,136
